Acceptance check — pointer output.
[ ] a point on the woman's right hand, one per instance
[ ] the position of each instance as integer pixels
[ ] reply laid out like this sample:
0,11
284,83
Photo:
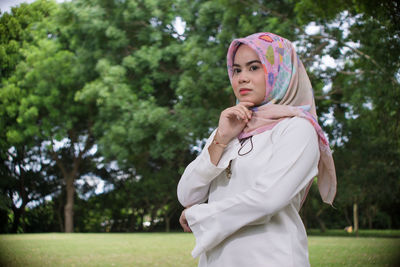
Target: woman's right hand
232,121
183,221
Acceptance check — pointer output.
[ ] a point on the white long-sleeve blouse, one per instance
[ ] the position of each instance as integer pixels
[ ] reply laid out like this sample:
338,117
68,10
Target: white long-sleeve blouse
251,218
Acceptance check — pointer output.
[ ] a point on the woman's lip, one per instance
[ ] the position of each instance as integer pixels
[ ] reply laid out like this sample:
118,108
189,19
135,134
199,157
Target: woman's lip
244,91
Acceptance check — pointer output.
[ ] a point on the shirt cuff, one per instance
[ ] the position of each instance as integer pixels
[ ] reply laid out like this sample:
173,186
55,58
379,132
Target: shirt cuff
196,230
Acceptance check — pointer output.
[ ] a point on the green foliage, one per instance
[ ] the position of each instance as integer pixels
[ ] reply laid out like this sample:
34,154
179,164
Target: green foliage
365,98
33,93
42,218
38,108
18,27
116,77
127,51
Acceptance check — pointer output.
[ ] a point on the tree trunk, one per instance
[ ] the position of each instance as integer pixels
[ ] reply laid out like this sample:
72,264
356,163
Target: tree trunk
69,206
322,226
371,213
59,214
17,218
70,176
133,221
152,218
369,217
320,221
355,218
303,215
346,216
141,217
167,223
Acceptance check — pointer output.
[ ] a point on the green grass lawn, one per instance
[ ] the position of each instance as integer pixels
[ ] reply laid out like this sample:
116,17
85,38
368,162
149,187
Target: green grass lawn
160,249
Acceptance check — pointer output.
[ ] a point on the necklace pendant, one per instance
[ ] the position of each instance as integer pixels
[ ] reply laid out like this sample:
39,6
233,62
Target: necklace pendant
228,171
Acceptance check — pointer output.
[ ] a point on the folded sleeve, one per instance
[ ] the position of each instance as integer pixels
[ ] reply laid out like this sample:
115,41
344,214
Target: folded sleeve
291,168
194,184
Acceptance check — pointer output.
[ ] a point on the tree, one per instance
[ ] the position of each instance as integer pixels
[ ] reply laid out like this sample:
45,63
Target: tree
25,179
16,28
364,96
97,39
24,167
39,105
133,87
112,83
364,42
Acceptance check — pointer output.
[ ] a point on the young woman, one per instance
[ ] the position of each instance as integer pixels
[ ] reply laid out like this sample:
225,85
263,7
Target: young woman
244,191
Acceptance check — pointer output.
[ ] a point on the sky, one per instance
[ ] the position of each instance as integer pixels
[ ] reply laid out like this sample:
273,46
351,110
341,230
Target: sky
5,5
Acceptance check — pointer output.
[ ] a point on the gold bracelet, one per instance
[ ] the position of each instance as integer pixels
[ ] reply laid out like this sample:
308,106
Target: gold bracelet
219,144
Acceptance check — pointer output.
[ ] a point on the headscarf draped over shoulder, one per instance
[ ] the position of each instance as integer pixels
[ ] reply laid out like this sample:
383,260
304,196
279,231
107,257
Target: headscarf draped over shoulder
288,94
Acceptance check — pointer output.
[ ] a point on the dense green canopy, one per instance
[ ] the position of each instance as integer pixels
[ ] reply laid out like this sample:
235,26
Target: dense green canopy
114,93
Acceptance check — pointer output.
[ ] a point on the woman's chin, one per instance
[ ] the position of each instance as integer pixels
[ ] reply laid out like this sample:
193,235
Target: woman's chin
256,102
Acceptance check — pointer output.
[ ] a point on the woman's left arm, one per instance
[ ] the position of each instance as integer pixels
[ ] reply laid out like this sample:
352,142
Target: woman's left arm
292,167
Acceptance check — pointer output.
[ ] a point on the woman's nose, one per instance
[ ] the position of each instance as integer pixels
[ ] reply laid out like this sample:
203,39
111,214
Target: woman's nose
243,78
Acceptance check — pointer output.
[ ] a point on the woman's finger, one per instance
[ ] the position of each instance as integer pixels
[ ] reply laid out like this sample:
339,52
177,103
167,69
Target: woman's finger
241,112
246,111
235,112
184,223
245,107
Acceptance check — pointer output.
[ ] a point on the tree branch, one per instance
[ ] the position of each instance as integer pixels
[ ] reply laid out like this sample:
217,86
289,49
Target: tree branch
321,37
57,160
315,52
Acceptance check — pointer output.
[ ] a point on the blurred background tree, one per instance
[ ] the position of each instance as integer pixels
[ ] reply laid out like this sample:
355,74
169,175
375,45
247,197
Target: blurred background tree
25,170
104,103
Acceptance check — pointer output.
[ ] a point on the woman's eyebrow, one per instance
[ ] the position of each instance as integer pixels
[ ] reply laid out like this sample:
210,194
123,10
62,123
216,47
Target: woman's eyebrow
248,63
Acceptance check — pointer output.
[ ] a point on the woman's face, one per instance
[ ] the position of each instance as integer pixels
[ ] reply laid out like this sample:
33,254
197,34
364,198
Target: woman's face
248,79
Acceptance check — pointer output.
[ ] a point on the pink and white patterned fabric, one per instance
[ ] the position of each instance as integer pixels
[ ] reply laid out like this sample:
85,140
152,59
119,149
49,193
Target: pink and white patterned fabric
288,94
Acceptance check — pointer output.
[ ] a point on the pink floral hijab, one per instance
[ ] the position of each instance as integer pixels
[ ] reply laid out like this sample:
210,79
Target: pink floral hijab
288,94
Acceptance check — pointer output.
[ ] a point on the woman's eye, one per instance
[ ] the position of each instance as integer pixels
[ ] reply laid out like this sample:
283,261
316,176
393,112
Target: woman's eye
254,67
236,71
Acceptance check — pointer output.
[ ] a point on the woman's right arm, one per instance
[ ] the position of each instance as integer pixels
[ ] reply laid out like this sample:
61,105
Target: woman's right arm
195,181
194,184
